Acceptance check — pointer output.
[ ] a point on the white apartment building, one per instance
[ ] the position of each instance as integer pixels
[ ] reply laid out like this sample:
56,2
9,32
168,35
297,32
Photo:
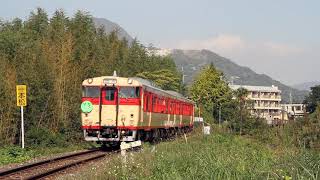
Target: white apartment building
266,101
294,110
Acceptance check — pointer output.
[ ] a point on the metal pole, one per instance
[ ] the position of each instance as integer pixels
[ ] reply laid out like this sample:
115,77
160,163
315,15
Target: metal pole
219,114
22,128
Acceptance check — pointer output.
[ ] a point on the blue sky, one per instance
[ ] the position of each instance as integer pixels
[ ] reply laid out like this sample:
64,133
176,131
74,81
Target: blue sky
277,37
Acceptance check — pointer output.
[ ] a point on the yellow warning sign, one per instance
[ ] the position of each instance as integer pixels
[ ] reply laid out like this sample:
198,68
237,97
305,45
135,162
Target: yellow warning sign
21,95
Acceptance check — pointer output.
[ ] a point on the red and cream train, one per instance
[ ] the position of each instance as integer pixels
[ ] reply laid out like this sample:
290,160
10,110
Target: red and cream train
116,109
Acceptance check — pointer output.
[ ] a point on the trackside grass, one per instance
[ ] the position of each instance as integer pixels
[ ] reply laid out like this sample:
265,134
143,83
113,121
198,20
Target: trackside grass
218,156
15,154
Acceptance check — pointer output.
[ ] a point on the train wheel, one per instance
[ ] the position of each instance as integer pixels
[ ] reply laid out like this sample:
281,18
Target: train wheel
179,132
173,133
155,136
170,134
147,136
167,134
139,135
176,135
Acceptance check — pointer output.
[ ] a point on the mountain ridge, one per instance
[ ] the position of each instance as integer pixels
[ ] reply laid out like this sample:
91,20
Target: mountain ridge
192,61
110,26
306,85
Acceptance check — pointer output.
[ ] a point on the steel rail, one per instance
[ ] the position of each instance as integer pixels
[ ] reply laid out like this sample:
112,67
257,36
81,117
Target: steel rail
58,169
43,162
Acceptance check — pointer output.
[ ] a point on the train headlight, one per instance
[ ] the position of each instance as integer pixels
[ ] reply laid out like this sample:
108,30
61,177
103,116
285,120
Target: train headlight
86,107
90,80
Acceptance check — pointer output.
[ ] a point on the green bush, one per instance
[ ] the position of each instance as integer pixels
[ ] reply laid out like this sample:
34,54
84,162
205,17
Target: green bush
44,138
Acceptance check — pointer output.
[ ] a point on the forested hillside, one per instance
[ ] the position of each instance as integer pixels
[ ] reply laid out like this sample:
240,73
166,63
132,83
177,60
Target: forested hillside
52,56
110,27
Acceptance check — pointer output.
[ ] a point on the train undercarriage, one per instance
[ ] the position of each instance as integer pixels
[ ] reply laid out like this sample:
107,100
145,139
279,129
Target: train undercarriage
112,135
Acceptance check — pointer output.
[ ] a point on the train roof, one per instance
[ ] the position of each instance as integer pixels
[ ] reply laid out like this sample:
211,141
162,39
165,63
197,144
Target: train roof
134,81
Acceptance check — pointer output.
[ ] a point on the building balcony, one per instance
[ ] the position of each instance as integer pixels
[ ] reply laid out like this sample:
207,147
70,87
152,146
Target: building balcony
266,107
264,98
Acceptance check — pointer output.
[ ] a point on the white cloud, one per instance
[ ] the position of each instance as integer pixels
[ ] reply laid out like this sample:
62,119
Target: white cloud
234,46
283,61
223,42
281,49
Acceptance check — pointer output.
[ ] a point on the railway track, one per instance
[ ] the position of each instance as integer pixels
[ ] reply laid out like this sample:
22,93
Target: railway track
42,169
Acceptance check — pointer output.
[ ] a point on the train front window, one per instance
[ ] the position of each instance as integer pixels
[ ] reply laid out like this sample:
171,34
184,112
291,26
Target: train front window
129,92
90,91
110,94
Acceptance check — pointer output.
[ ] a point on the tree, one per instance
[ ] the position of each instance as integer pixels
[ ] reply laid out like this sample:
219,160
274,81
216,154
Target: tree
209,90
52,57
8,109
241,96
38,23
313,99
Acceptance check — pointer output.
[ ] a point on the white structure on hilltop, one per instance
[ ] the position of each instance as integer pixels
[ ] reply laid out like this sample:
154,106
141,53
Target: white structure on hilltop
266,101
159,51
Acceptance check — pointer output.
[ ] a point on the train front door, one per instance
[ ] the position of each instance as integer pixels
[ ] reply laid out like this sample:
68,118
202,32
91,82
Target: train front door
109,106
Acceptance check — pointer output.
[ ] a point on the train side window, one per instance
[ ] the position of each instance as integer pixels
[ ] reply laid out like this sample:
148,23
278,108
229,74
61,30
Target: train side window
158,104
167,106
129,92
150,103
174,108
186,109
182,109
154,104
178,107
163,105
110,94
145,102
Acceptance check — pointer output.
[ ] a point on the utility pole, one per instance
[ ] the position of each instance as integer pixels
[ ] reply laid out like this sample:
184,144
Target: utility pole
183,75
183,78
219,115
182,85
